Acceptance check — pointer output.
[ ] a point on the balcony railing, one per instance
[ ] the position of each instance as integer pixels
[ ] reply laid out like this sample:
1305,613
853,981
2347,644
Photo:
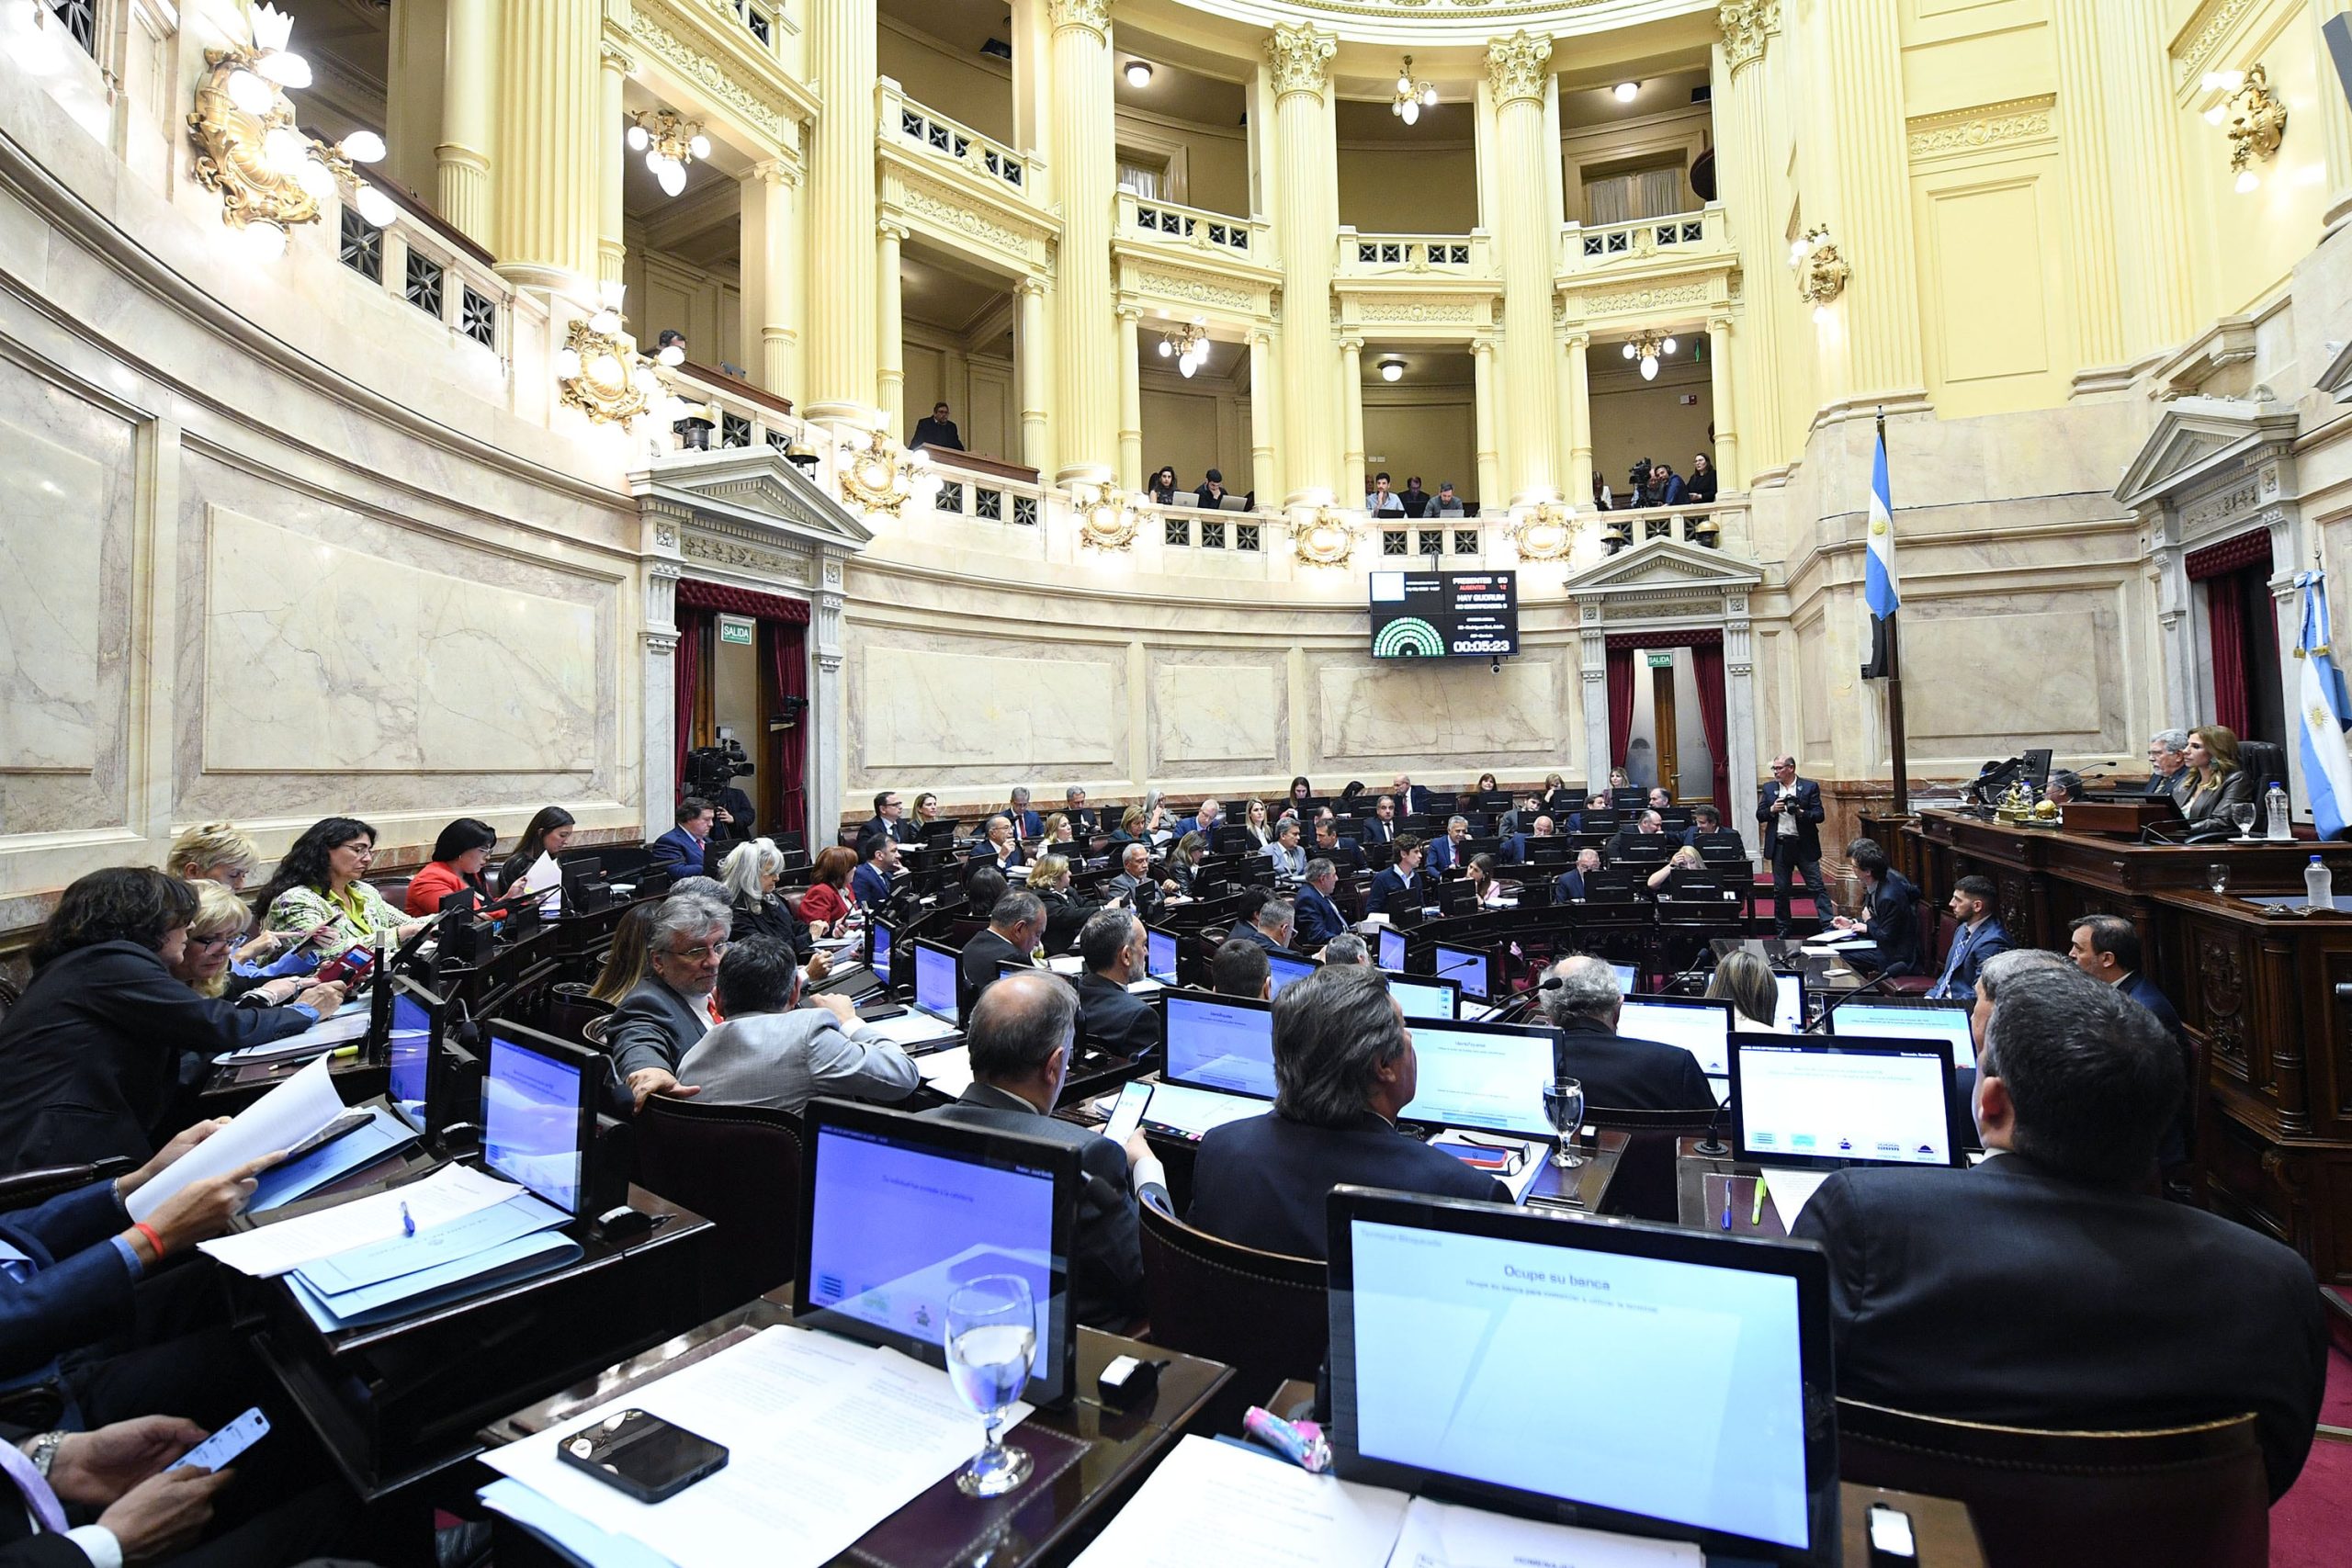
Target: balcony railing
1193,228
739,414
1584,246
1720,524
1382,255
940,137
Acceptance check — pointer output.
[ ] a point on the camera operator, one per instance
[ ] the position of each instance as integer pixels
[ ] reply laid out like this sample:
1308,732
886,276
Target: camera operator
711,771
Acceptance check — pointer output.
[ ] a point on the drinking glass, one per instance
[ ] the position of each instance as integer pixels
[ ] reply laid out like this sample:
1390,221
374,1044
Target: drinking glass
991,1337
2217,877
2243,814
1564,1108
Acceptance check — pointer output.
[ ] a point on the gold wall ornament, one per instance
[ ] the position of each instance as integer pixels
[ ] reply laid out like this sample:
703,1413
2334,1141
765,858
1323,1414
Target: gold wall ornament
2256,120
879,476
1515,66
1328,538
1546,533
597,374
268,174
1821,271
1109,520
1747,24
1297,57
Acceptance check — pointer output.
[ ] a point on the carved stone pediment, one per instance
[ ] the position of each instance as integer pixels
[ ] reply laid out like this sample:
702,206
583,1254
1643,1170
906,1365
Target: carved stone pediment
2199,442
750,494
2337,380
1664,566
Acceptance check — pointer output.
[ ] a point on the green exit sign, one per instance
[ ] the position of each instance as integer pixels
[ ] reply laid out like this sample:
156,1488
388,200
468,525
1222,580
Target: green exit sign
735,630
1661,661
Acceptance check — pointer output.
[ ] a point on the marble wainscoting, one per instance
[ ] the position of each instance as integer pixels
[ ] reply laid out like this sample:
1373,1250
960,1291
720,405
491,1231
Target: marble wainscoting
1215,716
1375,714
937,711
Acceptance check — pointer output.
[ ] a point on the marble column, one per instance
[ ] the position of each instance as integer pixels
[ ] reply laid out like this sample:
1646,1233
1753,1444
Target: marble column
1740,772
461,160
1876,354
2336,122
612,253
828,700
1482,377
770,341
1130,401
1085,162
1730,473
553,146
1742,75
1306,216
2090,203
843,363
1351,463
2150,200
657,668
890,369
1032,369
1577,413
1262,426
1527,236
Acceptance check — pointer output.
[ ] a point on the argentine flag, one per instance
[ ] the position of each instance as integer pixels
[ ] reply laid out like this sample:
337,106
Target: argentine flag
2326,714
1878,562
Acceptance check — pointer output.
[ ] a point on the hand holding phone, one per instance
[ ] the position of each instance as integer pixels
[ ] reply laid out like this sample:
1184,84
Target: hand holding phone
1128,1114
217,1451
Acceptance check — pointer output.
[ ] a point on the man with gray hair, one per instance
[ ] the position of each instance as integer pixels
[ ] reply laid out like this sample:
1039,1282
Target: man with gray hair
1111,946
1020,1035
1618,1074
1996,972
655,1025
1082,825
2046,1287
1343,1069
1346,948
1272,928
1016,924
1026,824
1317,917
2167,761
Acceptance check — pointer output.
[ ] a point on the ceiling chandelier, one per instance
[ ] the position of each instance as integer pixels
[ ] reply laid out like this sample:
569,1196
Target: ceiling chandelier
670,141
1411,96
1189,348
1648,346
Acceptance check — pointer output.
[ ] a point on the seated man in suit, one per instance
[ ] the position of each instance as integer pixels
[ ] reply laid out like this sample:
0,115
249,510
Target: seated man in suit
1341,853
1205,816
1343,1068
1569,886
889,820
1648,825
772,1052
2168,762
1598,801
877,869
1980,936
1318,917
1289,858
1890,910
1111,946
1082,822
1707,828
1238,968
1618,1074
1445,503
1520,817
1398,881
1515,847
1411,798
683,850
1661,799
1016,924
2106,948
1273,925
1446,852
2042,1287
935,429
1134,882
1021,1035
659,1021
1026,823
1381,827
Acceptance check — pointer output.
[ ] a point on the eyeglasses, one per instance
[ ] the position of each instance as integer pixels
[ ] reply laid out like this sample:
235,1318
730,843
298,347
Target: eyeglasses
707,951
223,940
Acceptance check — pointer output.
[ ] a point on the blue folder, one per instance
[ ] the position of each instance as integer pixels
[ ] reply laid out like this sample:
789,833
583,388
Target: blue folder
298,1179
523,1258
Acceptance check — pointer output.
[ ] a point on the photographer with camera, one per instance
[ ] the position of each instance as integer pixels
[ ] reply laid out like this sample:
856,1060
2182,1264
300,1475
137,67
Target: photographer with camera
711,772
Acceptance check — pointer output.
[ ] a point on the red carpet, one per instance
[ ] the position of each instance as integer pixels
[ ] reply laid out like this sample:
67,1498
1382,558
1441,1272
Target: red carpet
2307,1526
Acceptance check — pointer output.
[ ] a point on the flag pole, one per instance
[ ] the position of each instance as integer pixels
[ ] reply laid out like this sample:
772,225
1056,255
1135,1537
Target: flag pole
1894,678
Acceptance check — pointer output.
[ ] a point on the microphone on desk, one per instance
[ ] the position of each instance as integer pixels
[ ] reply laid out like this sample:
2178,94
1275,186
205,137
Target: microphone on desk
1839,1000
1712,1145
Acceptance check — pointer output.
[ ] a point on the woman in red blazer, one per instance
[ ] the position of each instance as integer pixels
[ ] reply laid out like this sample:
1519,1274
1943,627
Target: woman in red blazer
826,903
458,855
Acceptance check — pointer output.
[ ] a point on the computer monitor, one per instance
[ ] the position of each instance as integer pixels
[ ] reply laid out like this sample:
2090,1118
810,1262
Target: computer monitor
1910,1020
1629,976
538,1111
1161,949
1221,1042
1473,967
899,1210
1392,950
1788,1011
1713,1353
1488,1075
1284,969
936,981
410,1044
1181,1112
1426,996
1821,1104
880,938
1697,1025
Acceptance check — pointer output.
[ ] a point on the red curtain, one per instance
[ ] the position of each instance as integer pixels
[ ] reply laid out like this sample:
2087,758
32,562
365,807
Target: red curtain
1707,664
2225,620
693,626
787,646
1621,707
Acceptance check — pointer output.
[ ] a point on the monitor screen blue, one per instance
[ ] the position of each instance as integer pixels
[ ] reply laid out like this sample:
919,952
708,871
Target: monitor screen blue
936,982
1628,978
895,1227
1218,1043
411,1056
1820,1100
882,953
1895,1023
1160,956
1487,1076
1698,1027
531,1122
1467,964
1420,999
1283,970
1392,949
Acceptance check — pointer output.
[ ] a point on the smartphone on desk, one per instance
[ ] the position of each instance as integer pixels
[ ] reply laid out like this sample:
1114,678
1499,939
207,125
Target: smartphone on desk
641,1455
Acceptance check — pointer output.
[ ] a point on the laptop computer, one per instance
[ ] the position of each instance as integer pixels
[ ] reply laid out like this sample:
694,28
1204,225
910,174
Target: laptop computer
1391,953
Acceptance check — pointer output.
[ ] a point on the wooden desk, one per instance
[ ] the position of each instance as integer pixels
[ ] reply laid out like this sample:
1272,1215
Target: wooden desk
1047,1523
1939,1527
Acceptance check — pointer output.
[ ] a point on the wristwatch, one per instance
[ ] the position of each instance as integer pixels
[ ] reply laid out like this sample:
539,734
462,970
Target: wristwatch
44,1452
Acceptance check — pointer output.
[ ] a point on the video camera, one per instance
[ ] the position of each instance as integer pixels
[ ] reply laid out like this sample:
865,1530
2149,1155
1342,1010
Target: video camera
710,769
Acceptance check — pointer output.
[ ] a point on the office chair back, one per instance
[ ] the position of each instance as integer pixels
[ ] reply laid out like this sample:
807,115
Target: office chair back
23,1189
1644,1186
738,1166
2166,1498
2266,762
1934,951
1262,1314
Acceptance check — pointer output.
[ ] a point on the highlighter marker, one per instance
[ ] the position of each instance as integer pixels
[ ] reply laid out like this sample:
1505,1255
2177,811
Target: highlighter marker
1309,1453
1756,1214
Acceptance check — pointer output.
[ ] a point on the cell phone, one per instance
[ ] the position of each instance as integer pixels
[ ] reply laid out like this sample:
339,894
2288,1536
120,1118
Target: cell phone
639,1455
226,1444
348,1122
352,964
1891,1542
1128,1114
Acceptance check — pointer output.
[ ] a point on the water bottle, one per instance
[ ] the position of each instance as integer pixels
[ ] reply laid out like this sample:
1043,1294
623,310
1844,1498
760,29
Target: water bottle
2319,887
2274,802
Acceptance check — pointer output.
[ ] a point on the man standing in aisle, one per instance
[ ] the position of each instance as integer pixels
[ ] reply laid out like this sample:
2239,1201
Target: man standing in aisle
1788,811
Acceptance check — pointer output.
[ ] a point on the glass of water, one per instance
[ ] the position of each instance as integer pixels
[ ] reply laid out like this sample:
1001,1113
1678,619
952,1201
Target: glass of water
992,1337
2243,814
1564,1108
2217,877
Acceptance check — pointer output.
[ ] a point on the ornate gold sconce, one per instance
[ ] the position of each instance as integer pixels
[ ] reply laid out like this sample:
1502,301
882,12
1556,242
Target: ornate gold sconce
1547,533
880,477
1328,538
1821,271
1108,521
2255,118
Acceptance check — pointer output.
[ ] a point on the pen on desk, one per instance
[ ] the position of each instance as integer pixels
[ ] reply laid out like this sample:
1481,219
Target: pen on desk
408,1222
1726,1202
1756,1214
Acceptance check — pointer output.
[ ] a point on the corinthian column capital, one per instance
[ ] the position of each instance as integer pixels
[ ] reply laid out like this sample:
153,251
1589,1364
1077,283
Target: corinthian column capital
1093,15
1515,66
1746,25
1297,56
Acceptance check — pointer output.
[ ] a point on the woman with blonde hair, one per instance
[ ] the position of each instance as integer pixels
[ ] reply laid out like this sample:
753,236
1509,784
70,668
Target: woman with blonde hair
1684,860
625,960
1744,979
214,852
210,964
2215,782
1253,816
1058,829
1065,911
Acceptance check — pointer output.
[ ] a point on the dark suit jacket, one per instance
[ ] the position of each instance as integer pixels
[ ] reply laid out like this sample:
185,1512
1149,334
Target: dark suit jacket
871,886
1439,857
899,833
1247,931
1318,918
1966,959
1025,824
79,1290
1891,911
2237,789
2173,1148
680,853
1415,802
1106,1264
771,918
1386,884
91,1054
1262,1182
1373,831
930,431
2165,783
980,957
1343,854
1806,844
653,1027
2008,1293
1569,885
1111,1015
1066,916
1620,1073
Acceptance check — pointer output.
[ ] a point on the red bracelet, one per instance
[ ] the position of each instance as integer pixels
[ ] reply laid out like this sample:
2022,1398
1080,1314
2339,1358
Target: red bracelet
144,1228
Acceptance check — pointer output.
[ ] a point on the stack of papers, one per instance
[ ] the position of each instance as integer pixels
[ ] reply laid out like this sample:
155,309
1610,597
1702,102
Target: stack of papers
910,1029
298,1179
949,1072
404,1274
348,1025
272,1125
825,1438
268,1250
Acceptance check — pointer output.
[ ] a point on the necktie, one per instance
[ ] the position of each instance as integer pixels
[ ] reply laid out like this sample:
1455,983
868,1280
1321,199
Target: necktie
38,1496
1952,964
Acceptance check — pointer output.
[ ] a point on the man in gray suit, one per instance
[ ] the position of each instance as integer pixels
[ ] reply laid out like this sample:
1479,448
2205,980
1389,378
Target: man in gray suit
1021,1033
650,1033
772,1052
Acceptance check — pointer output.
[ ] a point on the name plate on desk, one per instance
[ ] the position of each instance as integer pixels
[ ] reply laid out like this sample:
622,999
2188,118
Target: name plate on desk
2125,817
